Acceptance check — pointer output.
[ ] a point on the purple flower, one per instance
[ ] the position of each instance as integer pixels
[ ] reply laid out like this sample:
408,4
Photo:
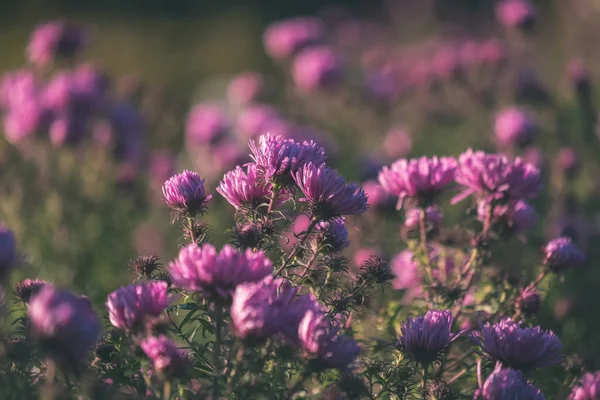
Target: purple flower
67,129
397,142
130,306
516,13
492,52
166,358
8,252
407,273
433,218
28,288
64,324
424,338
316,68
205,124
495,177
420,179
53,40
24,121
514,127
185,193
504,384
446,62
278,159
217,274
517,347
284,38
579,76
320,340
242,189
567,160
561,254
377,197
327,194
587,388
245,88
269,307
515,217
18,87
254,120
330,236
529,301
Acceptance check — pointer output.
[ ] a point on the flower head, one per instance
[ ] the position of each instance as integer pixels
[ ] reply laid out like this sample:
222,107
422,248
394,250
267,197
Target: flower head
514,127
529,301
256,120
130,306
206,123
316,68
245,88
587,388
561,254
518,347
320,339
217,274
433,218
28,288
64,324
420,179
567,160
269,307
407,272
515,217
144,266
243,189
495,177
327,194
278,159
53,40
185,193
397,142
424,338
166,358
579,76
504,384
516,13
377,198
376,271
284,38
330,236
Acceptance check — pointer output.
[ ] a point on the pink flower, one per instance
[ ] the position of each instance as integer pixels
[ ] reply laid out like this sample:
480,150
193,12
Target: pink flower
242,189
284,38
316,68
185,193
130,306
165,356
245,88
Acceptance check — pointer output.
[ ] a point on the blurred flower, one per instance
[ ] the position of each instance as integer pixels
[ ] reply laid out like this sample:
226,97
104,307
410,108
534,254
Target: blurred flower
255,120
433,218
327,194
320,339
166,358
330,236
242,189
587,388
505,384
407,274
514,127
561,254
492,52
279,159
185,193
516,217
206,123
269,307
161,166
67,130
217,274
397,142
533,155
316,68
579,76
8,252
362,254
424,338
420,179
516,13
284,38
495,177
245,88
53,40
377,198
64,324
567,160
299,225
227,154
446,62
130,306
24,121
382,85
18,87
529,301
517,347
28,288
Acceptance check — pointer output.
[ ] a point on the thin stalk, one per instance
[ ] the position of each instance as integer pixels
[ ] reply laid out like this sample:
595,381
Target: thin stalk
192,230
273,200
217,349
423,230
167,390
424,382
185,338
297,248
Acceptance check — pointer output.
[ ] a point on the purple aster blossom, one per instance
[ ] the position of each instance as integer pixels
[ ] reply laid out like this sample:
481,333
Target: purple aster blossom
54,40
518,347
269,307
514,127
397,142
567,160
316,68
166,358
446,62
216,274
8,252
185,193
515,217
433,218
407,273
226,154
495,177
516,13
561,254
587,388
64,324
327,194
245,88
28,288
243,189
24,121
420,179
279,159
424,338
504,384
320,340
330,236
383,85
529,301
284,38
254,120
492,52
67,129
206,123
130,306
377,198
534,155
18,87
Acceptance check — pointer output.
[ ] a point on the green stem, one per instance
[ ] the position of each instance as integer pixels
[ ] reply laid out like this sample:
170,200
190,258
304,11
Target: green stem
167,390
192,229
273,200
424,382
297,248
217,349
423,230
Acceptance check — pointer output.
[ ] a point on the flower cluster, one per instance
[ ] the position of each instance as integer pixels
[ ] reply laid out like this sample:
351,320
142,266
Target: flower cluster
508,384
130,306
